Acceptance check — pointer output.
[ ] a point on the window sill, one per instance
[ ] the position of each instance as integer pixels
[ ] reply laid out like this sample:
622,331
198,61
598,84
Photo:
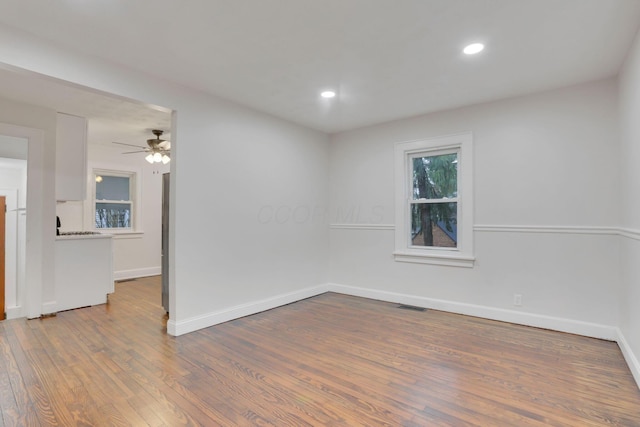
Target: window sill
125,234
448,259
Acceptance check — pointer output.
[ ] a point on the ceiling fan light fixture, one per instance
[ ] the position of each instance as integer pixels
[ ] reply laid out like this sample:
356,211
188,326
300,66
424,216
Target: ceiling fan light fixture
157,150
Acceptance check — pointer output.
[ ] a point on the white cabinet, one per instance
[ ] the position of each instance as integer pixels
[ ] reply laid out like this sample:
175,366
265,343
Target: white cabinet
71,157
84,271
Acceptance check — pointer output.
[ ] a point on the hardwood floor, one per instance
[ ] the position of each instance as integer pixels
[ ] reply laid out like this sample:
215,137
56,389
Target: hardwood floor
331,360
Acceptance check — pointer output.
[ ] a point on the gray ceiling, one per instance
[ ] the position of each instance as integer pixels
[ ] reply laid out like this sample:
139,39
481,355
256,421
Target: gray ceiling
386,59
110,118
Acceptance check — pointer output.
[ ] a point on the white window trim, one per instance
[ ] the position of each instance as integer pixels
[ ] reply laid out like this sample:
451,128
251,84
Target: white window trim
462,256
136,192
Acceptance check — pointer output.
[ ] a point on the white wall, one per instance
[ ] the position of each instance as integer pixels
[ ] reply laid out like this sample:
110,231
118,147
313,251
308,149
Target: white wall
546,193
630,241
40,221
13,148
13,185
227,163
134,255
241,165
13,174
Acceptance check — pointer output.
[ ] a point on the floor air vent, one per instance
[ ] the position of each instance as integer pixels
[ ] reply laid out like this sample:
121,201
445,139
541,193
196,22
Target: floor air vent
411,307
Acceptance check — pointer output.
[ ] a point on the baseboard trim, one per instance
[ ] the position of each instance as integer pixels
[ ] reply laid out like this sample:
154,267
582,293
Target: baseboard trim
137,272
49,307
14,312
577,327
629,356
210,319
594,330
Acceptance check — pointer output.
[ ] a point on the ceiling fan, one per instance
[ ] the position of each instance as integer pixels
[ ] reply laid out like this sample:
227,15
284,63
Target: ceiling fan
159,149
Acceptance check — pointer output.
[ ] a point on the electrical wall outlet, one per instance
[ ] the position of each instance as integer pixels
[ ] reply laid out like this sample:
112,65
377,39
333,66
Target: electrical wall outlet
517,300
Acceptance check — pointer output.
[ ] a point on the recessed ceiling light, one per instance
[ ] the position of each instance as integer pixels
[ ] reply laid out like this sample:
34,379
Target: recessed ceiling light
473,48
328,94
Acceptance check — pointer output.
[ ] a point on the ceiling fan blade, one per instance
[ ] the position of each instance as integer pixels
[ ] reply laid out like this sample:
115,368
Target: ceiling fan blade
130,145
132,152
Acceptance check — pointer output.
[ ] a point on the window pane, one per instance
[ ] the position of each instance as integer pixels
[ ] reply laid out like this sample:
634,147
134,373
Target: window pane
434,224
113,215
112,188
435,177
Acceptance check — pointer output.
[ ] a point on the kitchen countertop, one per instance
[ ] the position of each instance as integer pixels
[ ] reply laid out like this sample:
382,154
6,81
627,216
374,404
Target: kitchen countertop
83,236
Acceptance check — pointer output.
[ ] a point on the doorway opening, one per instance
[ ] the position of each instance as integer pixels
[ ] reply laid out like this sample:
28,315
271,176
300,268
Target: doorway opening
13,193
111,118
21,158
3,208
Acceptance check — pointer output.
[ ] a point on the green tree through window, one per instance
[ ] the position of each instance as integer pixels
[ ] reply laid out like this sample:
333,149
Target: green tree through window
113,200
434,202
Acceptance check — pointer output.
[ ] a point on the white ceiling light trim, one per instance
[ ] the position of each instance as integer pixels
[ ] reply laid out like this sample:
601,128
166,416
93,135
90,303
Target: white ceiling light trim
473,48
328,94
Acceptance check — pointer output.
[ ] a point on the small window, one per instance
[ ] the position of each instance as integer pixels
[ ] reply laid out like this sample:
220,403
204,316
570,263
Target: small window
434,211
114,207
434,202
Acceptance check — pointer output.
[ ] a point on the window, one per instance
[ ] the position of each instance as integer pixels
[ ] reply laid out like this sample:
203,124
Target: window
434,202
434,196
113,201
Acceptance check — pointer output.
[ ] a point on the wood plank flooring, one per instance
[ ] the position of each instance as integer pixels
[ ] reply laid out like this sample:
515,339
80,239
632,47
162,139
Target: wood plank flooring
331,360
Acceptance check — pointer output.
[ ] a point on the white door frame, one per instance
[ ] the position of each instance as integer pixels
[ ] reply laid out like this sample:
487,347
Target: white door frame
12,289
37,232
